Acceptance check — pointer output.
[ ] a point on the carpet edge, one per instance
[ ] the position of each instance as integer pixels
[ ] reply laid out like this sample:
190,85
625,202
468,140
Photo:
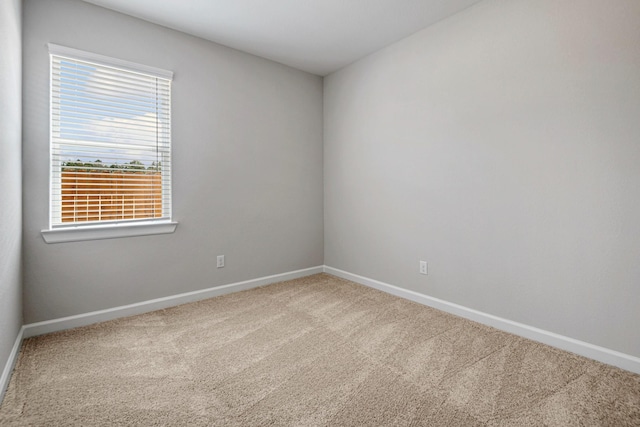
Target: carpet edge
84,319
572,345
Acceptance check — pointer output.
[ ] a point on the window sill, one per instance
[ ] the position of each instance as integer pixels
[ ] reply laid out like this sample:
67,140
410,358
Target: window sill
110,231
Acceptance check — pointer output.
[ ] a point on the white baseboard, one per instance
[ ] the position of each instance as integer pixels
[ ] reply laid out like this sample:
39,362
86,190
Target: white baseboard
605,355
601,354
11,362
69,322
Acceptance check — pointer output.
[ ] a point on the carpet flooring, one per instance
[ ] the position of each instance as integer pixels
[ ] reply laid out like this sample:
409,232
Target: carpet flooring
316,351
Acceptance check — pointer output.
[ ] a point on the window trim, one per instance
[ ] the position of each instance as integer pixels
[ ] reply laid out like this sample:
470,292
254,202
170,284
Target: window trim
107,231
55,49
116,229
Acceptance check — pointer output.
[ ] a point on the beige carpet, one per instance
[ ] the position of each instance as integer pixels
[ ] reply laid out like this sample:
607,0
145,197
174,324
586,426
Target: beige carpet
318,351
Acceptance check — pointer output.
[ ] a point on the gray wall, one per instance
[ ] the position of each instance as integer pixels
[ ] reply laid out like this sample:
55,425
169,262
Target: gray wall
247,170
10,176
501,145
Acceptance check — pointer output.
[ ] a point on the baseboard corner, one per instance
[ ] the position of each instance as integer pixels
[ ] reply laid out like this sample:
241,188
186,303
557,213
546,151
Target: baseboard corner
10,364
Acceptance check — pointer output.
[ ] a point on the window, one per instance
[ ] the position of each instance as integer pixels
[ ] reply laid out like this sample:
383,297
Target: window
110,145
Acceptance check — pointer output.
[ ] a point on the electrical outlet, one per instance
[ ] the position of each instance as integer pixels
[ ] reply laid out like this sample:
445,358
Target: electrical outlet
220,261
423,267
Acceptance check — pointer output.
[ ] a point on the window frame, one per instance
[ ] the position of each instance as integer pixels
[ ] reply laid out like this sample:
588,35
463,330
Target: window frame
96,230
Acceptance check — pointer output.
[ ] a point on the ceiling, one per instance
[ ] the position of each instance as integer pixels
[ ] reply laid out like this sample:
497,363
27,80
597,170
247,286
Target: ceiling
318,36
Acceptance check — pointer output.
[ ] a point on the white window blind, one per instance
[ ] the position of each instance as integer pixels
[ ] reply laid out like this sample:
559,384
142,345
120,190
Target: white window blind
110,140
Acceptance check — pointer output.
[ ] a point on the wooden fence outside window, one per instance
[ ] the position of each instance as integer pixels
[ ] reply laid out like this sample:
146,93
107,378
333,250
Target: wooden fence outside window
104,196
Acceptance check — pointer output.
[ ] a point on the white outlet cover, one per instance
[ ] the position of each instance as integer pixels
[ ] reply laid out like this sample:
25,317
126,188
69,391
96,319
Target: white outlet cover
423,267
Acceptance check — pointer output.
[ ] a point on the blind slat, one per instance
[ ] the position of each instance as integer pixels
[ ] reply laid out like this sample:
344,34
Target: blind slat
113,145
146,127
100,88
69,105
